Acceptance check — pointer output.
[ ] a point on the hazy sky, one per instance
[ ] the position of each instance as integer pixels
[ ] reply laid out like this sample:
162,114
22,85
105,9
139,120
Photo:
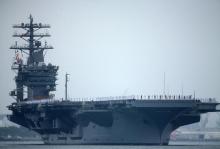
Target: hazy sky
121,47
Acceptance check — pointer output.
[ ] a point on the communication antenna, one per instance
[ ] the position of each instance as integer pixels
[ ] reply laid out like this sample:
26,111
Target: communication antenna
194,94
66,85
164,83
182,89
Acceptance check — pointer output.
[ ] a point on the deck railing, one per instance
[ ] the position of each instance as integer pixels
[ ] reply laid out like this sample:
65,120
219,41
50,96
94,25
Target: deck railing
121,98
144,97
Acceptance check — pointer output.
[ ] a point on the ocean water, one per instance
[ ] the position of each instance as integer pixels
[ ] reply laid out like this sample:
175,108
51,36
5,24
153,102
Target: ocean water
176,145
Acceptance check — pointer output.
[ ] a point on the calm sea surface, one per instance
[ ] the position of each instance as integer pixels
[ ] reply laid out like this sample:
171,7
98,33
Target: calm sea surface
174,145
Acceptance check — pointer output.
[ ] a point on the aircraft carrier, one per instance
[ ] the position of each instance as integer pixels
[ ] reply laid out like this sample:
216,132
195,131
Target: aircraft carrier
109,120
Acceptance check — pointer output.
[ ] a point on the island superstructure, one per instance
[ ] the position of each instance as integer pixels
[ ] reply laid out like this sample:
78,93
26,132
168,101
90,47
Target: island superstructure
113,120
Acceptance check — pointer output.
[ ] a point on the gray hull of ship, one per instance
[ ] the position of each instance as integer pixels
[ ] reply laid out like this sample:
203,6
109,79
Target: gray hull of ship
128,127
111,122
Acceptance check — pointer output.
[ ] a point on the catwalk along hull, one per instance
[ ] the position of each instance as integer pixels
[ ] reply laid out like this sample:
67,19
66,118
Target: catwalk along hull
109,122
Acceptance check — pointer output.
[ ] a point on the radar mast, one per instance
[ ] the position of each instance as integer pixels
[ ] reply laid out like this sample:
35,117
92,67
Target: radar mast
38,77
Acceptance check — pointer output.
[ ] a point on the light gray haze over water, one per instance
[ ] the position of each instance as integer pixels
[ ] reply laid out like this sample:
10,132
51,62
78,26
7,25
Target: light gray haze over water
121,47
